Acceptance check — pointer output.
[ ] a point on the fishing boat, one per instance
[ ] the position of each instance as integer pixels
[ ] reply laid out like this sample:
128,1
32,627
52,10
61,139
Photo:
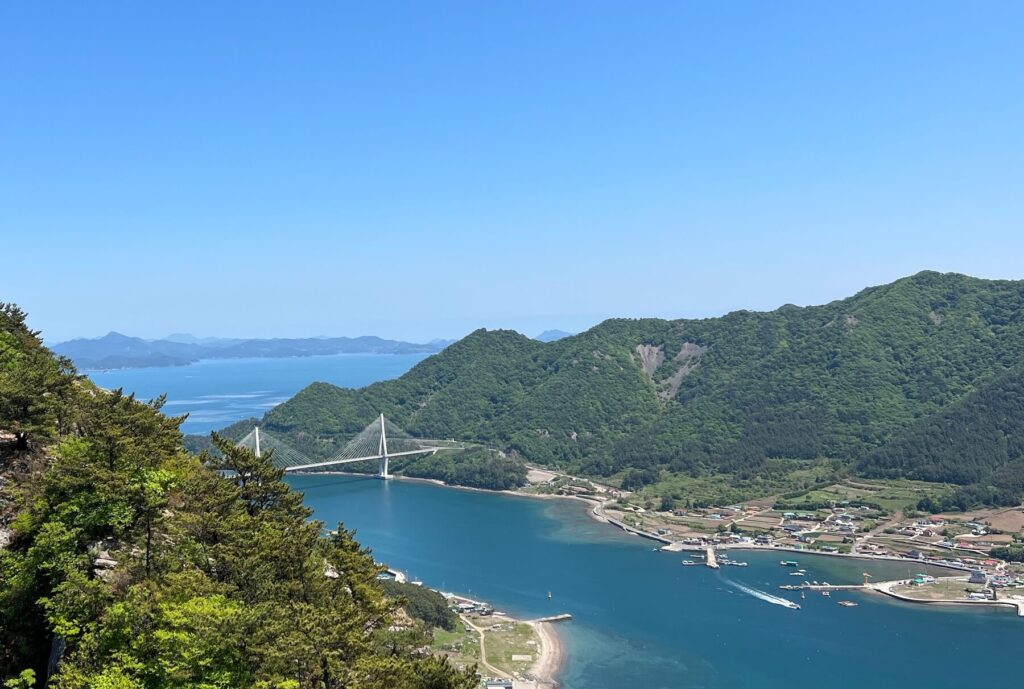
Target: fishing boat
826,593
690,563
788,563
847,604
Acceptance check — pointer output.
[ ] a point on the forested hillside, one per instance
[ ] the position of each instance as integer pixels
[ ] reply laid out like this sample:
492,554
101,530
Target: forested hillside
977,442
126,563
699,396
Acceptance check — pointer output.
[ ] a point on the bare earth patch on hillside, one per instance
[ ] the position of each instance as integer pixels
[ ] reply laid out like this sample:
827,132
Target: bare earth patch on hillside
689,359
651,357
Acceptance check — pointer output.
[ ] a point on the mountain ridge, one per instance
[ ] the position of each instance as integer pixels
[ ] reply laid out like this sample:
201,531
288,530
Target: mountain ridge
735,394
115,350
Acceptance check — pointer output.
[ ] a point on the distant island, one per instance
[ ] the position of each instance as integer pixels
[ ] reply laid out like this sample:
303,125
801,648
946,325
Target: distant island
114,350
552,335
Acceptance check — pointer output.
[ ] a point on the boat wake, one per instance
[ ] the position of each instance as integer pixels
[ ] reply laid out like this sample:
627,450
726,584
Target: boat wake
762,595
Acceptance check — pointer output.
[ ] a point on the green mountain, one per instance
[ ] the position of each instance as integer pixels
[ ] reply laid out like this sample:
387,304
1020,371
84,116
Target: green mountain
977,442
127,563
644,398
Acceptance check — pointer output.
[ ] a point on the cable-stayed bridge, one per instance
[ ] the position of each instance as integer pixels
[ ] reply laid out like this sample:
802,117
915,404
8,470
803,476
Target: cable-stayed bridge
379,441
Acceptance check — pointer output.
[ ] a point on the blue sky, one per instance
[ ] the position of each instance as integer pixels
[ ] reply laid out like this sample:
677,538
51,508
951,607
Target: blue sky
417,170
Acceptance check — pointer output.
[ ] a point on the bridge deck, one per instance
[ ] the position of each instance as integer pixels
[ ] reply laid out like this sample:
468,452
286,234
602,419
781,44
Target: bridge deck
334,462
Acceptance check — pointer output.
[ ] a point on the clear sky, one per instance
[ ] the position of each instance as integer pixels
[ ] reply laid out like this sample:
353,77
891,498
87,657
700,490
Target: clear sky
417,170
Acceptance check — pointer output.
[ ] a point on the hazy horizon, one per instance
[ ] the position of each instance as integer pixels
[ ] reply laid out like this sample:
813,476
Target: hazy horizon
527,332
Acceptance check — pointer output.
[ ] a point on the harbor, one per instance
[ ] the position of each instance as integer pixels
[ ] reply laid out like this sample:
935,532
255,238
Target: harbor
628,602
986,591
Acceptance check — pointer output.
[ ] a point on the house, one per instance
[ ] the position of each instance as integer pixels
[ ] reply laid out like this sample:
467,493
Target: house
498,683
977,577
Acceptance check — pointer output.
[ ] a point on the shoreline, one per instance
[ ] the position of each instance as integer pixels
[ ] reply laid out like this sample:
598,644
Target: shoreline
885,588
596,513
551,649
805,551
552,654
551,658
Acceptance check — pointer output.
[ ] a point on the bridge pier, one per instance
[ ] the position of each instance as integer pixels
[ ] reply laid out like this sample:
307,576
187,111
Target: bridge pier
383,468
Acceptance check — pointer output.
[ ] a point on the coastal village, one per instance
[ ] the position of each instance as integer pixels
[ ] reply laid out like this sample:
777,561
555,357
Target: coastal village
860,519
867,520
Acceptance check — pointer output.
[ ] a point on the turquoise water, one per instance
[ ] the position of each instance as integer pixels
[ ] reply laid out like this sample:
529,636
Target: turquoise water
217,392
642,620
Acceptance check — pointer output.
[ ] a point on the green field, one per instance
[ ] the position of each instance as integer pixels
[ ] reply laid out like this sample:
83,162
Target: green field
462,647
890,495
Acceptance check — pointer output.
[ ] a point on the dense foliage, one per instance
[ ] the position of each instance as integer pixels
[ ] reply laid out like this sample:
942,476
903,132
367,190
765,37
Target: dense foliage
646,399
1011,553
977,441
132,565
423,604
476,468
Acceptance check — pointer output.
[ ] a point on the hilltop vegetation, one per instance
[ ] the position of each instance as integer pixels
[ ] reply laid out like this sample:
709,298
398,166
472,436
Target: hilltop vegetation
126,563
740,395
476,467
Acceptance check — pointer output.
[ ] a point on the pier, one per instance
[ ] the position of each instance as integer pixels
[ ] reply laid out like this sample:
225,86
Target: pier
711,561
564,617
823,587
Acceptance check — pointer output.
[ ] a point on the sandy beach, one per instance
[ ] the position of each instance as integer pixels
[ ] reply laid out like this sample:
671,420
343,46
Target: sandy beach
552,655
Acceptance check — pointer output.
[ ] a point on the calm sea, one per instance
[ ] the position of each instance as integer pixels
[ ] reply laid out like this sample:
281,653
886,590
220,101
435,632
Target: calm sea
642,620
217,392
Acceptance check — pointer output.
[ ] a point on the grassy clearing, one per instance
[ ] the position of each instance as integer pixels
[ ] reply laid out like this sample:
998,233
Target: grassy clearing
778,476
940,590
461,646
511,646
890,495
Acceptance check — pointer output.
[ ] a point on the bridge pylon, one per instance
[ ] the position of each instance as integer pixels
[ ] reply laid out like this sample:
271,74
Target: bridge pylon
383,464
